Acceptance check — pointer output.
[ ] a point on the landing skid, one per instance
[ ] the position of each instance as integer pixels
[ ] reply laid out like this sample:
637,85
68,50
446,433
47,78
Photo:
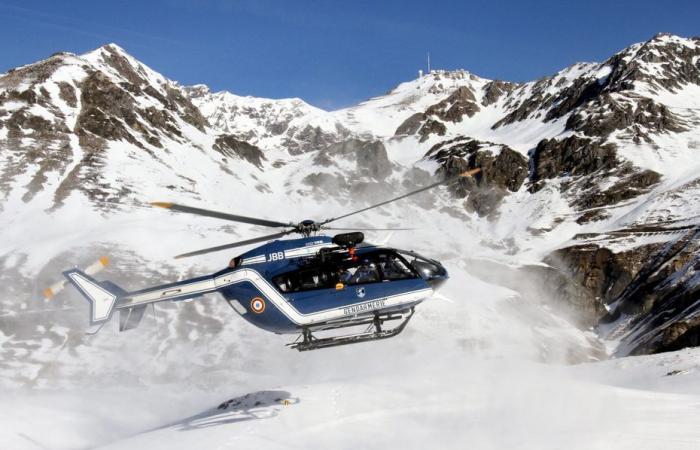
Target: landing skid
373,333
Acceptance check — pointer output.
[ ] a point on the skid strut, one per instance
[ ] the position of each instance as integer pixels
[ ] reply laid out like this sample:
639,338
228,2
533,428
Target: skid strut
311,342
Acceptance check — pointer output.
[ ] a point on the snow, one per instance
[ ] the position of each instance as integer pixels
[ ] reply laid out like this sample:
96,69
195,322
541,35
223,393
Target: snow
602,74
480,366
445,400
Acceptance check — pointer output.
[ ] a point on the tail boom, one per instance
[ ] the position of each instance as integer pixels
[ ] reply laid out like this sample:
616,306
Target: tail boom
106,297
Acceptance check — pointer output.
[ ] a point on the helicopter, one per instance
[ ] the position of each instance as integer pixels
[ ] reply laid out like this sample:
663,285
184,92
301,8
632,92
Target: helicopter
305,286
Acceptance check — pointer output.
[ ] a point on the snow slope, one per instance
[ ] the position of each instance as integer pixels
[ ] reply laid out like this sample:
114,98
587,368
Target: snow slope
480,367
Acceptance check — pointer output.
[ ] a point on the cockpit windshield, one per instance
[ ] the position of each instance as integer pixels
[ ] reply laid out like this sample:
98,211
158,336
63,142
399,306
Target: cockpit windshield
429,270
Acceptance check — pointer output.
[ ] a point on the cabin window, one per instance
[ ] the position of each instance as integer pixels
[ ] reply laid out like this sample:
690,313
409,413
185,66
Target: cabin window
306,279
366,268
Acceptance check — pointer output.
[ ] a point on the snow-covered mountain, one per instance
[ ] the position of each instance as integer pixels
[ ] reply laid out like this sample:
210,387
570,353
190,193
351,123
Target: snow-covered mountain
585,214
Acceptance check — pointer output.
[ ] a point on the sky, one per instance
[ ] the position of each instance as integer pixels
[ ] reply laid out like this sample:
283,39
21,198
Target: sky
337,53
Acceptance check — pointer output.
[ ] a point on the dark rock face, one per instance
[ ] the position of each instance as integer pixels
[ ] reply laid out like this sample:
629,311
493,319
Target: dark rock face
186,109
103,105
325,182
588,162
631,184
571,156
452,109
677,65
539,99
229,146
503,170
460,103
602,273
410,125
423,125
501,165
494,90
67,94
682,334
370,157
642,116
115,59
580,92
663,300
372,169
311,138
33,140
653,291
431,126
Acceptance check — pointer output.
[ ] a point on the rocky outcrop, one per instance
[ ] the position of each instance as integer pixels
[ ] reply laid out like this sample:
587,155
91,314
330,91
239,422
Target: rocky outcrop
430,127
496,89
602,273
583,163
312,138
460,103
527,101
410,125
572,156
370,157
647,297
638,115
503,170
370,164
229,146
629,183
108,111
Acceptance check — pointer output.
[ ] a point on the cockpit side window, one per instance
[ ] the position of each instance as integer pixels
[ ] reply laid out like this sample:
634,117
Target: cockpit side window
393,267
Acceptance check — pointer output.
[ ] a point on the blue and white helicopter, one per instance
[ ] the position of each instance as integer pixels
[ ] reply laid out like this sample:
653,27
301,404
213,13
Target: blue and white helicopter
304,286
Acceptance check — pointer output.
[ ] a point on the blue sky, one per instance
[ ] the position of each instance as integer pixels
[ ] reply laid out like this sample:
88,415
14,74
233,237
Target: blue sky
337,53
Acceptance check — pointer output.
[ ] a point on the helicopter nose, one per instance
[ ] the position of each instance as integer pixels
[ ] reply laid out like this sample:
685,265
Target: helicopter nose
432,271
438,277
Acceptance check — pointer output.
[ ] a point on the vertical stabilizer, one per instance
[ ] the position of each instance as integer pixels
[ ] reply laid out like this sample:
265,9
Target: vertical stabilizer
102,299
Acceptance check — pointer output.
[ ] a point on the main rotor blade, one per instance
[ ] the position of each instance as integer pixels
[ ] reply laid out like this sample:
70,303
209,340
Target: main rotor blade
220,215
468,173
234,244
367,229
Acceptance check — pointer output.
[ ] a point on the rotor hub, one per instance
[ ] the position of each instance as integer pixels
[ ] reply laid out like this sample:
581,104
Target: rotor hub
307,227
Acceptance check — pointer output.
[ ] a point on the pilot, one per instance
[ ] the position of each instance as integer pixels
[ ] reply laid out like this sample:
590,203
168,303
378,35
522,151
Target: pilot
392,270
366,273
